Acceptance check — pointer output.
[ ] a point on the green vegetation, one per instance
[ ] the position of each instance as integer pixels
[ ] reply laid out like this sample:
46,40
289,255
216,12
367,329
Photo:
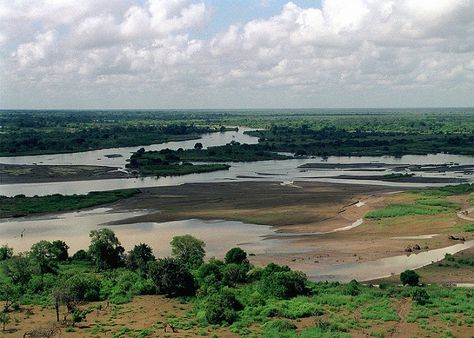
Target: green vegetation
230,294
21,205
467,228
409,277
431,202
303,132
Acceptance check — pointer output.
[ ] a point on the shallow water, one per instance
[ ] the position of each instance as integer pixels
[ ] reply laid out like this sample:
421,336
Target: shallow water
384,267
74,228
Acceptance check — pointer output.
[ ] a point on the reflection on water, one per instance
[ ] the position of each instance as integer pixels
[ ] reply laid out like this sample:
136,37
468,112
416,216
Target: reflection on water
385,267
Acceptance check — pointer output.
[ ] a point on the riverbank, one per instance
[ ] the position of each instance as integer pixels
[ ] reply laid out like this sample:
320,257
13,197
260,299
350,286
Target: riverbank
24,173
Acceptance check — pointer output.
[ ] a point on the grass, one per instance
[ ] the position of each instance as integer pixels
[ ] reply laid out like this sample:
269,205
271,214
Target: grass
21,205
469,228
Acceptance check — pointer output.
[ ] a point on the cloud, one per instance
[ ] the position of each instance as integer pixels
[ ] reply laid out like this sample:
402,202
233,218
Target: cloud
400,51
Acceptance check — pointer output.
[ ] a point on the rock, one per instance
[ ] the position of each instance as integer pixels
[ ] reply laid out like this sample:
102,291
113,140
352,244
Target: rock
416,247
456,238
408,249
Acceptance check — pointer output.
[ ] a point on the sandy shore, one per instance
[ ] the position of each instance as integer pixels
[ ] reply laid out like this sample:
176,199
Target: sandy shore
23,173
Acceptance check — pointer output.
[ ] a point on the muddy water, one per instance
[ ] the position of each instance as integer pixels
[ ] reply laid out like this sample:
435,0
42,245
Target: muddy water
74,228
384,267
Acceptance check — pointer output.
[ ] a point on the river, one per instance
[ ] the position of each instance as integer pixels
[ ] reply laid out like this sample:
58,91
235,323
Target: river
73,227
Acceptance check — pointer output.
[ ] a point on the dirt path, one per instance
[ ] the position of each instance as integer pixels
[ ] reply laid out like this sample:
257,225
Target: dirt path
403,310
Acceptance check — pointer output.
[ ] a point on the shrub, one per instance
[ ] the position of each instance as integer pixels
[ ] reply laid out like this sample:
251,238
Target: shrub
275,328
60,249
236,256
83,287
284,284
409,277
171,277
222,307
235,273
5,252
420,296
81,255
353,288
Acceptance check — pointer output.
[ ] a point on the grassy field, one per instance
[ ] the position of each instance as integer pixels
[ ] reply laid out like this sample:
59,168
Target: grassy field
426,202
21,205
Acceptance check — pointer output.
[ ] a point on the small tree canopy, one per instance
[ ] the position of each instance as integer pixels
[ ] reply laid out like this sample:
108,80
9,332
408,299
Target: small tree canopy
236,256
105,249
188,250
139,256
409,277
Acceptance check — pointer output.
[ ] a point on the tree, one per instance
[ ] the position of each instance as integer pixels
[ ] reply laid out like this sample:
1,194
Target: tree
198,146
236,256
105,249
81,255
171,277
9,294
139,256
43,256
61,250
409,277
18,268
4,319
5,252
188,250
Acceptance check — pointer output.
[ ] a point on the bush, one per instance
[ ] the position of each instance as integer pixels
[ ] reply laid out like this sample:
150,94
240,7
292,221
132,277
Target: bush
353,288
235,273
236,256
277,328
5,252
222,307
83,287
81,255
284,284
171,278
420,296
409,277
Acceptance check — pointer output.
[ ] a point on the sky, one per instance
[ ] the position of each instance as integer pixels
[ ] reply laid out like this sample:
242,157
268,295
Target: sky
198,54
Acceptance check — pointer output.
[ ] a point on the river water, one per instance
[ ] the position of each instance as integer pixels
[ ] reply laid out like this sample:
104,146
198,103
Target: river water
74,227
281,170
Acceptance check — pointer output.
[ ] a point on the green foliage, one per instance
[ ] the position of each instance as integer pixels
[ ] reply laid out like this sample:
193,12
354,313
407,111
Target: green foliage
469,228
5,252
420,296
188,250
236,256
21,205
409,277
83,287
44,257
18,269
81,255
235,273
121,285
4,319
278,328
60,250
284,284
222,307
139,256
105,249
171,277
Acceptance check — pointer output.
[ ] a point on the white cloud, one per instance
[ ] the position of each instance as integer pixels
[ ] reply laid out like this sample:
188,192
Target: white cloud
310,56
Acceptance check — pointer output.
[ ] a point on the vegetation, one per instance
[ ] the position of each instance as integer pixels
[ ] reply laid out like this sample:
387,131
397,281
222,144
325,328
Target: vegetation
231,294
21,205
428,202
168,162
409,277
